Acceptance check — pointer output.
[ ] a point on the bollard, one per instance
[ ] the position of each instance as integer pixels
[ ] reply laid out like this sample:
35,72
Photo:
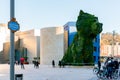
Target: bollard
18,76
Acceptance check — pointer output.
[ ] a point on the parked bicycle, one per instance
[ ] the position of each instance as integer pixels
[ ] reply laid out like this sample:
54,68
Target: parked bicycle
95,70
110,71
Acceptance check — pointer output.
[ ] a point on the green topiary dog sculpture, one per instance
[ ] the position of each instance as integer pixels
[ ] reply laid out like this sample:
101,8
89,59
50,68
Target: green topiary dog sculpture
81,50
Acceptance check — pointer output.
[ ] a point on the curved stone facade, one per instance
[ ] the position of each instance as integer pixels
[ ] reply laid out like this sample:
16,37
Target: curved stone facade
51,45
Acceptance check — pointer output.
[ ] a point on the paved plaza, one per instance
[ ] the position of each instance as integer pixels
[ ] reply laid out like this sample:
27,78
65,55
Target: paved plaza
45,72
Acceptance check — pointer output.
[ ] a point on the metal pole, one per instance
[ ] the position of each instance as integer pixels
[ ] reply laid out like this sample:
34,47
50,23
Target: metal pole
113,42
11,42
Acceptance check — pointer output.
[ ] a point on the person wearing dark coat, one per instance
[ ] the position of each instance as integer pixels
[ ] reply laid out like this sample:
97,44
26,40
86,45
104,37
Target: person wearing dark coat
116,64
99,65
59,64
53,63
37,64
110,66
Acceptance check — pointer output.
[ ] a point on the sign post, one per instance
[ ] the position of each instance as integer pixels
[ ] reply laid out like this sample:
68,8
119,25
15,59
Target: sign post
13,26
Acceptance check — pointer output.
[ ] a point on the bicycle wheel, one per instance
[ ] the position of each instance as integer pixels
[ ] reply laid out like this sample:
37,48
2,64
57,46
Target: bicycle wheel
95,70
115,75
100,74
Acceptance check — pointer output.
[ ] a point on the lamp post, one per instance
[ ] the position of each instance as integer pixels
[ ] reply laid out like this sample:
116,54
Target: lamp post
113,42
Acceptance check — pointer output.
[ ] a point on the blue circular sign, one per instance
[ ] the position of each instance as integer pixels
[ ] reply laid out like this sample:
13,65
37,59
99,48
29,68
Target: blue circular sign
14,26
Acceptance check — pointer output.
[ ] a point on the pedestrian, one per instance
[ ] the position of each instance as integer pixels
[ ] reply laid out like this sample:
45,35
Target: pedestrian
22,63
34,62
59,64
53,63
109,69
37,64
116,64
99,65
63,63
106,62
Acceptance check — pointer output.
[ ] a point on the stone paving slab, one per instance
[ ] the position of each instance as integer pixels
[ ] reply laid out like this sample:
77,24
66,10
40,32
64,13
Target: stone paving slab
45,72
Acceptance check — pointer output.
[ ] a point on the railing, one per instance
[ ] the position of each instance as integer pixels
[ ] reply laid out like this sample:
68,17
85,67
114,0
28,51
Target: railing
79,64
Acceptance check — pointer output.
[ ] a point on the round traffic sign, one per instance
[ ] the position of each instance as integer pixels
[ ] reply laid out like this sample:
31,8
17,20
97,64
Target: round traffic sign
13,25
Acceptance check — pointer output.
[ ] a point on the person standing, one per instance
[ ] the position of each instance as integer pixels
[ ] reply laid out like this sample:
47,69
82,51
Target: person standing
37,64
34,62
53,63
99,65
110,68
116,64
59,64
22,63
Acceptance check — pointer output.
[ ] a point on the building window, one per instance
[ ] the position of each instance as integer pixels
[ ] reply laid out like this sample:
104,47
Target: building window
98,49
94,58
95,49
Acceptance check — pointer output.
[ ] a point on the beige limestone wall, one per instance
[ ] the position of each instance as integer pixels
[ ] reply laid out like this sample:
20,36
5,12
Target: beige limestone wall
30,41
3,33
51,45
6,50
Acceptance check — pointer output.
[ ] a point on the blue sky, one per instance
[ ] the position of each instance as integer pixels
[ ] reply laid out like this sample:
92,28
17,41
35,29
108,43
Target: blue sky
36,14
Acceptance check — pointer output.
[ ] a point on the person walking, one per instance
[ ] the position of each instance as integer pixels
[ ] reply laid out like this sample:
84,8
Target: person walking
22,63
